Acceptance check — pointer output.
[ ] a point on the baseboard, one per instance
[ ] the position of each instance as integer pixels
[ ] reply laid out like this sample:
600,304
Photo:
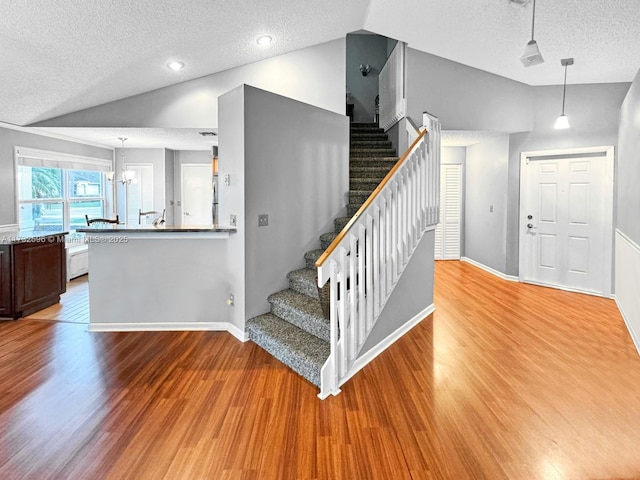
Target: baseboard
627,264
170,327
627,322
363,360
504,276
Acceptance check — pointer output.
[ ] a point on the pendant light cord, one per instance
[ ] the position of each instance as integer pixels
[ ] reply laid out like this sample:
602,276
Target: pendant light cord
564,90
533,19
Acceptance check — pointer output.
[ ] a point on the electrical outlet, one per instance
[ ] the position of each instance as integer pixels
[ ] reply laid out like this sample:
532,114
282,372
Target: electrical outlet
232,220
263,220
227,179
490,208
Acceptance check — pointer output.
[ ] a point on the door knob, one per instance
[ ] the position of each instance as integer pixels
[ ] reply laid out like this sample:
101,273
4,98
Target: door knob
529,217
530,225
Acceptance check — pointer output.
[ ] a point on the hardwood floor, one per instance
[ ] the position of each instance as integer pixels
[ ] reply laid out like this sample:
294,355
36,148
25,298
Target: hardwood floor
73,306
506,380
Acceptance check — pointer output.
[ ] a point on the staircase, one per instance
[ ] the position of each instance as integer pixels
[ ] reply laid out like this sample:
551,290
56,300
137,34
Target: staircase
295,331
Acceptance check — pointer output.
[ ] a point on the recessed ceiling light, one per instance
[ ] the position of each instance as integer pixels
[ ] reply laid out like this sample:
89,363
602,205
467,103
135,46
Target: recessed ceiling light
264,40
175,66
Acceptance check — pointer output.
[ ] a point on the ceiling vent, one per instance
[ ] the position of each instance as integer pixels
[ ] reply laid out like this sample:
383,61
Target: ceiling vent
518,3
208,134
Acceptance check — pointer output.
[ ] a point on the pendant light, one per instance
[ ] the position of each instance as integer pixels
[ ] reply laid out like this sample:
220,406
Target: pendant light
531,55
562,121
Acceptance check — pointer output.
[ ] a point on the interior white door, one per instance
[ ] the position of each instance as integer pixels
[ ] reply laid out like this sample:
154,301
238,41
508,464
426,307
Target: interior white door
447,234
197,194
566,221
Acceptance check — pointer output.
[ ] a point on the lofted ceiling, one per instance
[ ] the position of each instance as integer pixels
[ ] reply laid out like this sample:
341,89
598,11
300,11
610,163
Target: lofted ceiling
62,56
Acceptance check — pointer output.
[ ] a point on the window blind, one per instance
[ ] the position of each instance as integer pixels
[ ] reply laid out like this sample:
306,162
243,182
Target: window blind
31,157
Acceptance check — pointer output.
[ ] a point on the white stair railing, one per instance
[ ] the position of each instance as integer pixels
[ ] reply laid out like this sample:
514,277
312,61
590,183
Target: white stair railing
365,261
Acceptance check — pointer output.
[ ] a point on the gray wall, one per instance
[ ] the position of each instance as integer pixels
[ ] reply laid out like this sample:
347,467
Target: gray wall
9,138
169,180
295,170
485,190
628,205
315,75
465,98
231,161
150,156
364,49
412,294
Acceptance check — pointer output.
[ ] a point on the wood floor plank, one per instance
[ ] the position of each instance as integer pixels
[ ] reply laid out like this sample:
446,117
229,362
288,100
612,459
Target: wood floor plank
503,381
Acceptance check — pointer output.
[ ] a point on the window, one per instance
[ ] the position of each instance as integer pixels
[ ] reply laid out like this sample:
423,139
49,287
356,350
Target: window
56,191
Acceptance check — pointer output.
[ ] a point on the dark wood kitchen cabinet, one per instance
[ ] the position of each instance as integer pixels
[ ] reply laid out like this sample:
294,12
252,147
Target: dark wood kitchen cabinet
33,272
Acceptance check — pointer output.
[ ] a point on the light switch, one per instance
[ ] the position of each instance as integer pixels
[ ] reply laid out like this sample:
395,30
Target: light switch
263,220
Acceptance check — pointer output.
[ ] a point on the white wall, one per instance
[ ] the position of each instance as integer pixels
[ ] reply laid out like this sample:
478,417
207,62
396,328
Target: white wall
627,270
486,202
315,75
295,170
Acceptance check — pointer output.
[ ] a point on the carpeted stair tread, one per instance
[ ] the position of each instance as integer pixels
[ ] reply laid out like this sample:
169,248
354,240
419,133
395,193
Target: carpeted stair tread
363,184
373,162
359,196
369,172
340,222
311,257
371,152
357,144
352,208
359,136
304,281
302,311
360,127
326,239
303,352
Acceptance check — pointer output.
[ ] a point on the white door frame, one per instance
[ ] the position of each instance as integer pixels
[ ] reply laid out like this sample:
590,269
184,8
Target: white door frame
608,152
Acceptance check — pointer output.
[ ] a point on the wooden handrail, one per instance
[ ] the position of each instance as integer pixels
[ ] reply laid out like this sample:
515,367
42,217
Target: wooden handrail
372,197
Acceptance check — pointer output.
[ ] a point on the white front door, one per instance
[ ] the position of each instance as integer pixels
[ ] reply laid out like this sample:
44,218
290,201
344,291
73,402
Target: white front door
197,194
447,235
566,219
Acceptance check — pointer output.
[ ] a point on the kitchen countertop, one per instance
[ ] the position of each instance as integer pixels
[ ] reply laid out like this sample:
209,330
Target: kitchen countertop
151,229
13,237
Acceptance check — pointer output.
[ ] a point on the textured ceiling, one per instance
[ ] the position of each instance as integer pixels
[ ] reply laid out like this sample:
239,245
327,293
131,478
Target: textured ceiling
603,36
60,56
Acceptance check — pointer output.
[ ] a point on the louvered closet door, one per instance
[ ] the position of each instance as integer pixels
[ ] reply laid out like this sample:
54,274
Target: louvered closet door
447,238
